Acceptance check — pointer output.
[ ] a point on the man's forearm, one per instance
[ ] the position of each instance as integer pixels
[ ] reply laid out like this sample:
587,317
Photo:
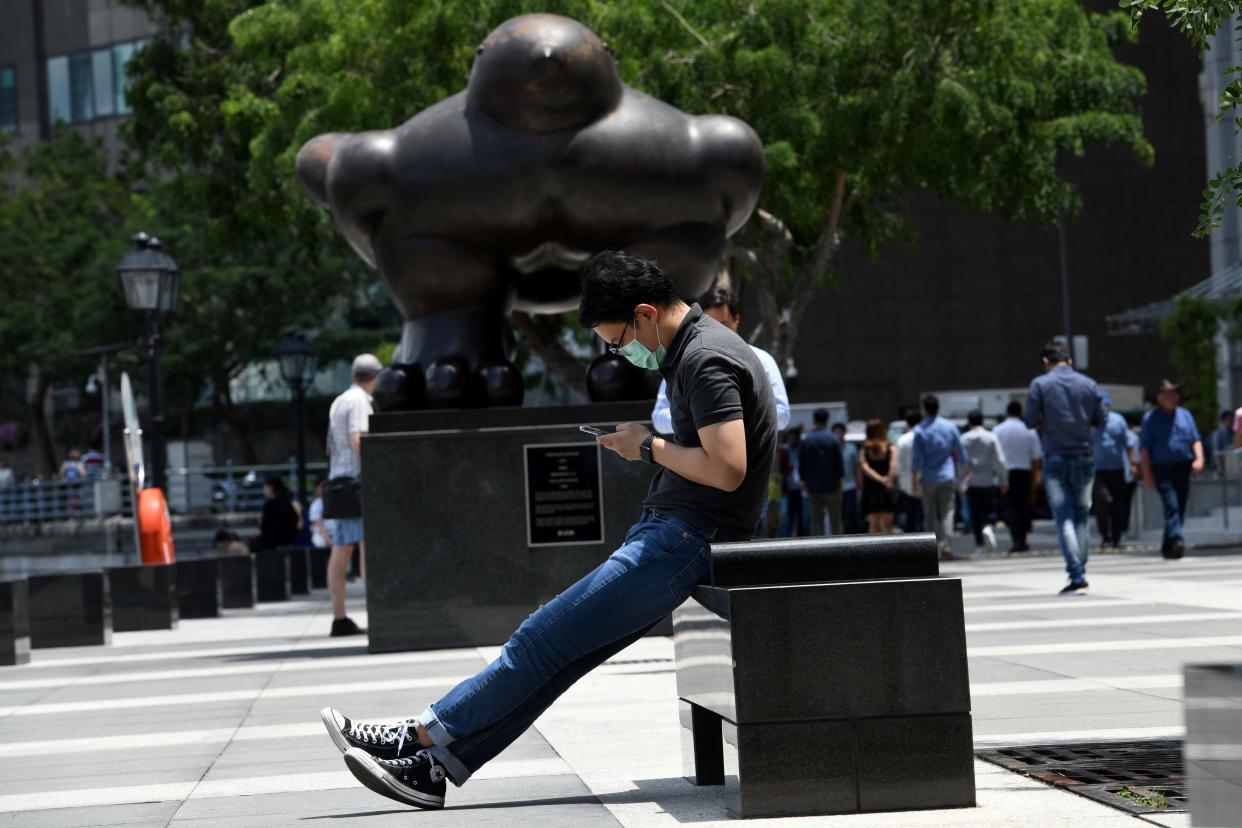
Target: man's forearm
697,466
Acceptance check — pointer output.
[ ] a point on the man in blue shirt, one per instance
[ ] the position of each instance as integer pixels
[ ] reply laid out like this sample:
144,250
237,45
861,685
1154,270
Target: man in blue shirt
849,485
1171,449
1112,455
936,457
1222,440
823,474
1064,405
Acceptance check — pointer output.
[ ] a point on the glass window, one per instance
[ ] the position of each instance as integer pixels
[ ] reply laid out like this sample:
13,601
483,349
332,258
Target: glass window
81,94
58,90
8,99
121,53
101,71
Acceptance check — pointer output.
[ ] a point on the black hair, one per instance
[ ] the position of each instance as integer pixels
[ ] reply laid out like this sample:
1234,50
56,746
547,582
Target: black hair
975,417
613,283
820,416
1014,409
931,404
279,489
841,426
911,416
1055,351
719,297
1226,414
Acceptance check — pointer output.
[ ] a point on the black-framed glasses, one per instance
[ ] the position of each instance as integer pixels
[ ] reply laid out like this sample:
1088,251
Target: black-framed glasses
615,347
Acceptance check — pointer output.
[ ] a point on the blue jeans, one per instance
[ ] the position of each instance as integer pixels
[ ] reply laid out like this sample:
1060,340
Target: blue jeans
659,564
795,504
1068,479
1173,484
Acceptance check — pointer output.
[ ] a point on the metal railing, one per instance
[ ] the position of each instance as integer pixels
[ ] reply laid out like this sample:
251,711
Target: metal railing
195,489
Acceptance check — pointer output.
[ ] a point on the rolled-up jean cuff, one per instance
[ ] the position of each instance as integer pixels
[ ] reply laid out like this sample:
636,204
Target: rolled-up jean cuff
457,772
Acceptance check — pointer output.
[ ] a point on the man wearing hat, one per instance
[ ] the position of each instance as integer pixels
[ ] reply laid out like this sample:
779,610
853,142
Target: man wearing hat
1171,450
348,420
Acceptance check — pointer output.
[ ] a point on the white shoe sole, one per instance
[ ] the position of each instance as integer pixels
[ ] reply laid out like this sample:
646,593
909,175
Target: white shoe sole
989,538
367,771
334,730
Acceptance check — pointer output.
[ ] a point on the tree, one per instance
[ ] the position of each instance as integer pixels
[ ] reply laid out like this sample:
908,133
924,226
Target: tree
63,227
1200,20
1190,331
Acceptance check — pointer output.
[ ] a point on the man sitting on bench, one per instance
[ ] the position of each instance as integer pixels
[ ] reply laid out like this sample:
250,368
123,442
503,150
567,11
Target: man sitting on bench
711,484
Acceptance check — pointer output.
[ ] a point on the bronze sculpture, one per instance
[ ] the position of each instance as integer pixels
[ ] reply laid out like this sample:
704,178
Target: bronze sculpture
489,201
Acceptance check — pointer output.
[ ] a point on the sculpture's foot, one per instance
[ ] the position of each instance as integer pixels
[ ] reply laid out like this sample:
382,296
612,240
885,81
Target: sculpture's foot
612,378
448,382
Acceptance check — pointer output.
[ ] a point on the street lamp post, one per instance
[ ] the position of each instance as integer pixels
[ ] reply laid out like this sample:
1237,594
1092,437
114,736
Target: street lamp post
149,277
298,363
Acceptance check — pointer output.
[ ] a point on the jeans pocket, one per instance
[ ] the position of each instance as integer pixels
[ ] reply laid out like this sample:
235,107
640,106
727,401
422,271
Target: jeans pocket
692,574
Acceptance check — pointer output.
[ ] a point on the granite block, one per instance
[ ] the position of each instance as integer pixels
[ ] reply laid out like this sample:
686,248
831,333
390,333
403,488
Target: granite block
271,568
144,597
790,769
840,558
238,583
319,567
198,588
299,570
702,744
915,762
14,622
448,562
1213,744
898,648
70,609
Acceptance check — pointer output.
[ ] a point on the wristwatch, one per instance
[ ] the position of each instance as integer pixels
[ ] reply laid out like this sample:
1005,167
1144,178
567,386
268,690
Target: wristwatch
644,451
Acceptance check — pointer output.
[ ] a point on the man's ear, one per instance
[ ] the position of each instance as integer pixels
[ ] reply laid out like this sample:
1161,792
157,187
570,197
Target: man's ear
646,311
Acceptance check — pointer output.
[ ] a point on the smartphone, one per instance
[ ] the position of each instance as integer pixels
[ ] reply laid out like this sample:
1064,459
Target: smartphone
598,432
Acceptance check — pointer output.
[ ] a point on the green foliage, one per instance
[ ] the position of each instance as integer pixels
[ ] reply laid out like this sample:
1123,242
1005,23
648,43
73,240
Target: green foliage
1156,800
1199,20
1190,331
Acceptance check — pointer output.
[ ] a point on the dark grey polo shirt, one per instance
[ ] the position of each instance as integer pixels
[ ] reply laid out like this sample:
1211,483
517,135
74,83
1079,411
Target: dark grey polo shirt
714,376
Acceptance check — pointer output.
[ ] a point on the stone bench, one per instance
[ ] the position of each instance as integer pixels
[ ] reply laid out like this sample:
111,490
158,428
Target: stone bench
14,622
319,567
144,597
1213,746
199,594
827,675
272,570
299,569
238,583
70,609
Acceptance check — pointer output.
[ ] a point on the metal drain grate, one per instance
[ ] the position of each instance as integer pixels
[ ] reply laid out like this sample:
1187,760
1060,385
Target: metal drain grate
1102,770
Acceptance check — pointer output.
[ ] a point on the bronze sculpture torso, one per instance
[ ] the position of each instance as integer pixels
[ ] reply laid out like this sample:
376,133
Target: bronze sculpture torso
490,199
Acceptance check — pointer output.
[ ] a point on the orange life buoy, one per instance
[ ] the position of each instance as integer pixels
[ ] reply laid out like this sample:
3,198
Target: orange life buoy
154,527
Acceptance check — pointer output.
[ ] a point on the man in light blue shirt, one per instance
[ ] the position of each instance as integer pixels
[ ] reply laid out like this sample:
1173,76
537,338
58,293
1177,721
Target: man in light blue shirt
849,488
1065,405
935,459
1112,456
1171,450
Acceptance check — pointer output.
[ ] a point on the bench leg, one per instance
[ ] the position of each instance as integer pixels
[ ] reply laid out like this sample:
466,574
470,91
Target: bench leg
702,745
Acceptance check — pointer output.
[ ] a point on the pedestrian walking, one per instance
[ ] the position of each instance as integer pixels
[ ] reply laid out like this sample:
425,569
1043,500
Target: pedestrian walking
1064,405
794,519
1113,455
348,420
878,462
849,489
938,458
1132,470
909,505
1022,451
988,479
710,482
823,474
1222,440
1171,451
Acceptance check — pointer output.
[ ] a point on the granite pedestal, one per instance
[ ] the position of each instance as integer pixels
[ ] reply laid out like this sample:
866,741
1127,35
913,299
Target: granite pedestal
271,568
829,696
1213,746
144,597
14,622
319,567
445,516
70,609
238,582
198,588
299,570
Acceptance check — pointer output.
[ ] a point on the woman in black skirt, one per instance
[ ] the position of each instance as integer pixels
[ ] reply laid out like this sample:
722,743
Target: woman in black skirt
878,465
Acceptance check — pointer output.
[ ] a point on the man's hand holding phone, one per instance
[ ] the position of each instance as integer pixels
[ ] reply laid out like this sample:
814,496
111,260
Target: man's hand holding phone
626,440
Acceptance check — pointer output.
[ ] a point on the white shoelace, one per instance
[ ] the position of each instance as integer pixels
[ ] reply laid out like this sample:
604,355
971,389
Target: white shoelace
437,772
382,734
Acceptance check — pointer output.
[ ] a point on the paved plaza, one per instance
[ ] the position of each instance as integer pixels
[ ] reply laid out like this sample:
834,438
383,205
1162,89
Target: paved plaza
216,722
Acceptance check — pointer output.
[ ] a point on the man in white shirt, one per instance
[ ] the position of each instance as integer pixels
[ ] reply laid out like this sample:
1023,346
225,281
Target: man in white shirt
911,505
987,474
1023,452
720,304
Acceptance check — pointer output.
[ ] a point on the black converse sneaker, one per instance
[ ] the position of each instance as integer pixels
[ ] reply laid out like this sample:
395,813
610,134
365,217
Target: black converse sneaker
387,741
415,780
